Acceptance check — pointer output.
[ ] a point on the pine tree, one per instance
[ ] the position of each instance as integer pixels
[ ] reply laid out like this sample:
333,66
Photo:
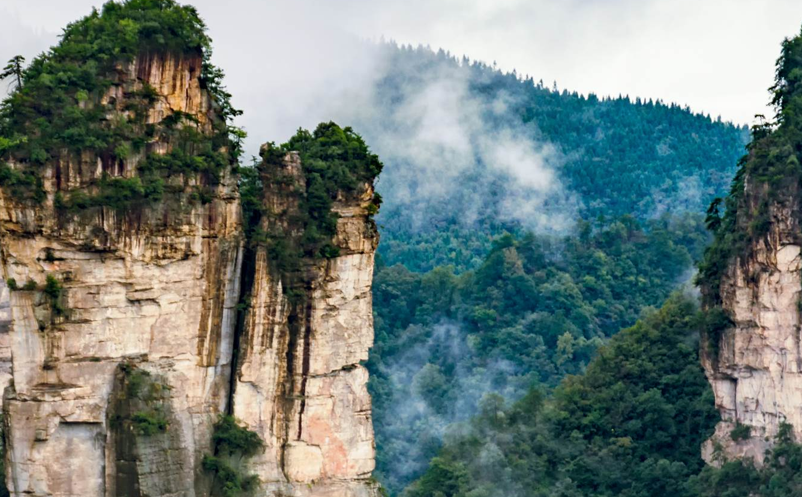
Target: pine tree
14,68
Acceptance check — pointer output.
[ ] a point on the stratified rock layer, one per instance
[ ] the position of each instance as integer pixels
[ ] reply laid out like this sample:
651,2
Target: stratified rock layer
755,368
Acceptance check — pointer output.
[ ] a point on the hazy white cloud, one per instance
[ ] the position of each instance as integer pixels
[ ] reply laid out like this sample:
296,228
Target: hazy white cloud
715,55
413,418
290,65
437,132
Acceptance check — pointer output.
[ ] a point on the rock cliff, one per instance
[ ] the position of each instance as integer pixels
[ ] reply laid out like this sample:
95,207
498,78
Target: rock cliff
750,281
299,382
155,287
755,363
135,315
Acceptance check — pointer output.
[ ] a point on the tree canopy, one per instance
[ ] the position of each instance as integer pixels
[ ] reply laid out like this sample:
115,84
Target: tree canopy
60,111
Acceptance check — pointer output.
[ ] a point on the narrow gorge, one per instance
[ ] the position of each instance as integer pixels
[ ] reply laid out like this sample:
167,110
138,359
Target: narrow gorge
151,343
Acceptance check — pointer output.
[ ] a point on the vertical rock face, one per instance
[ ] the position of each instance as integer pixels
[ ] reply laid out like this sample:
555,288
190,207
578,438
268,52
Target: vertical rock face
750,282
118,342
299,383
755,368
155,288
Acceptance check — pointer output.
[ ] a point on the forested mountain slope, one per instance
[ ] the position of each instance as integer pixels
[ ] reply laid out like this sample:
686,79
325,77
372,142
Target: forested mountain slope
632,424
472,151
521,227
535,310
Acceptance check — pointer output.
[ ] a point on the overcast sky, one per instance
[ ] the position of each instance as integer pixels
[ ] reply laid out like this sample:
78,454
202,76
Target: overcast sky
287,59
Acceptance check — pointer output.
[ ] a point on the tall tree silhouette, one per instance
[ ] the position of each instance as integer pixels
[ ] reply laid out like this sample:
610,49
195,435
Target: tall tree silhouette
14,69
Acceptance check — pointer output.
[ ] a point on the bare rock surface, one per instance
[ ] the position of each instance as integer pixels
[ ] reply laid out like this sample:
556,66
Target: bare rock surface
299,382
755,369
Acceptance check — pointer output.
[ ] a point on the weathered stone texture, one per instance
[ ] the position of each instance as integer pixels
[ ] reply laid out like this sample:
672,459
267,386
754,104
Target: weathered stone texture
299,382
157,287
756,373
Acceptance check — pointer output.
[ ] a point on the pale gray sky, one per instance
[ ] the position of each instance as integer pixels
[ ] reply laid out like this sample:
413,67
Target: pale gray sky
286,60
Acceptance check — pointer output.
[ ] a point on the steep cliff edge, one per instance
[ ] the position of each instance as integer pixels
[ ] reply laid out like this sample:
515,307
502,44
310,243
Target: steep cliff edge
299,383
750,281
125,345
123,252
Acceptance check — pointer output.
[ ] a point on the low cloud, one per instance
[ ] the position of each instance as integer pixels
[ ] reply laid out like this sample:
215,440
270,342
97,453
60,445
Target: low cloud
417,423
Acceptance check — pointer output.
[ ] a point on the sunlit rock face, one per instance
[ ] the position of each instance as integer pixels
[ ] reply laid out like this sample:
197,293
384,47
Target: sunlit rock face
156,288
299,382
756,370
156,292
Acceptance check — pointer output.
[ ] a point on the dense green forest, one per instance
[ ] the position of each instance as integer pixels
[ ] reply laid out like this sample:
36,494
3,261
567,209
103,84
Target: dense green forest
631,424
486,283
535,310
448,184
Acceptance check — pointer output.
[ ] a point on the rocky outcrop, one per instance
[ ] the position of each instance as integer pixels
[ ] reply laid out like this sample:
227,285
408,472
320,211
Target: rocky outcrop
750,282
124,337
755,365
299,382
156,287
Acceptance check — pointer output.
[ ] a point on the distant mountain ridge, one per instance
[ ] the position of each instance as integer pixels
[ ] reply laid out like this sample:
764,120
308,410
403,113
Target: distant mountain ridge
472,151
613,189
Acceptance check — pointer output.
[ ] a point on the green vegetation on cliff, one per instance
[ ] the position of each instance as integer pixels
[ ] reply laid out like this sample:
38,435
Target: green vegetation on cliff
779,476
145,401
335,163
773,170
232,444
62,112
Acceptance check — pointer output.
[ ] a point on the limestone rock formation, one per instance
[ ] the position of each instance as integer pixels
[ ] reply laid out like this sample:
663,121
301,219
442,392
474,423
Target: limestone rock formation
157,288
136,316
299,382
756,371
751,285
157,292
